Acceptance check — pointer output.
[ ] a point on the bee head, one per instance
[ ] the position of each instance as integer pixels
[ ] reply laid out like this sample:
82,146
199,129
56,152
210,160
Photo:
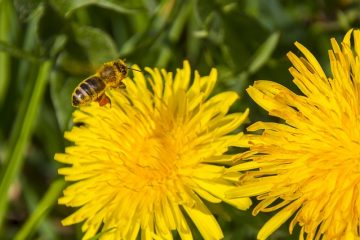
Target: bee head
121,67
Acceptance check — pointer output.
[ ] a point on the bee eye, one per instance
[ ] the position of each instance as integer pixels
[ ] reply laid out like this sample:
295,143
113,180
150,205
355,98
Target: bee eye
124,71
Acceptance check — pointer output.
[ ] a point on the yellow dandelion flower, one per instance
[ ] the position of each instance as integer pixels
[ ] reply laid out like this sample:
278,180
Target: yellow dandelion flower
149,163
307,167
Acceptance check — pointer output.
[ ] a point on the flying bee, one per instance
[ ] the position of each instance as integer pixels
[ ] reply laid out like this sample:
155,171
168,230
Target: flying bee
109,76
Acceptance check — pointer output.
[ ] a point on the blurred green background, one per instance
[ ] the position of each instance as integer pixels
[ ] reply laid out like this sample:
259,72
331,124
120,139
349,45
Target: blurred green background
48,47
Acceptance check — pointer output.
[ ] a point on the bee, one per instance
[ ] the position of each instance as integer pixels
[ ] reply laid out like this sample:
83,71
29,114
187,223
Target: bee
109,76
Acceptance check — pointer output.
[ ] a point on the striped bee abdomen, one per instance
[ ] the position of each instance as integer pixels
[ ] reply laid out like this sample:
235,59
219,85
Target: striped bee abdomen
95,83
88,90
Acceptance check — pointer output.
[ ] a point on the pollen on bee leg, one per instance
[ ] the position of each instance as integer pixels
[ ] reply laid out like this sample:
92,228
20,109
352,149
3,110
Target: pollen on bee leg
103,100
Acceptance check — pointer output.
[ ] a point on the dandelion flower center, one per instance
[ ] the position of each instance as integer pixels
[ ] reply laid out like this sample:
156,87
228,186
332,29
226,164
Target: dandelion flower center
148,168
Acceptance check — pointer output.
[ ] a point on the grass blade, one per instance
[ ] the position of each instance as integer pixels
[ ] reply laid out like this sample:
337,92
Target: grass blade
4,57
41,211
264,52
15,156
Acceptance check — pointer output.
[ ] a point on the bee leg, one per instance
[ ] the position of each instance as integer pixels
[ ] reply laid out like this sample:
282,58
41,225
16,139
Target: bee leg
122,85
103,100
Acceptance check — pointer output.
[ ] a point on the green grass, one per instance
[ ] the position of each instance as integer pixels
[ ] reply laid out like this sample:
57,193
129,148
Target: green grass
24,123
43,207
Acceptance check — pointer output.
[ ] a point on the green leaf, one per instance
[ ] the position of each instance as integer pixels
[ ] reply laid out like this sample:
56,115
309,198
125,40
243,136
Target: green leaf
99,45
242,34
51,24
61,90
25,8
264,52
235,33
88,48
67,7
206,9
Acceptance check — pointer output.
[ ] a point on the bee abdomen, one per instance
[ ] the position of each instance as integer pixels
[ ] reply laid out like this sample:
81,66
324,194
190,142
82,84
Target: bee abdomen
96,84
88,90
